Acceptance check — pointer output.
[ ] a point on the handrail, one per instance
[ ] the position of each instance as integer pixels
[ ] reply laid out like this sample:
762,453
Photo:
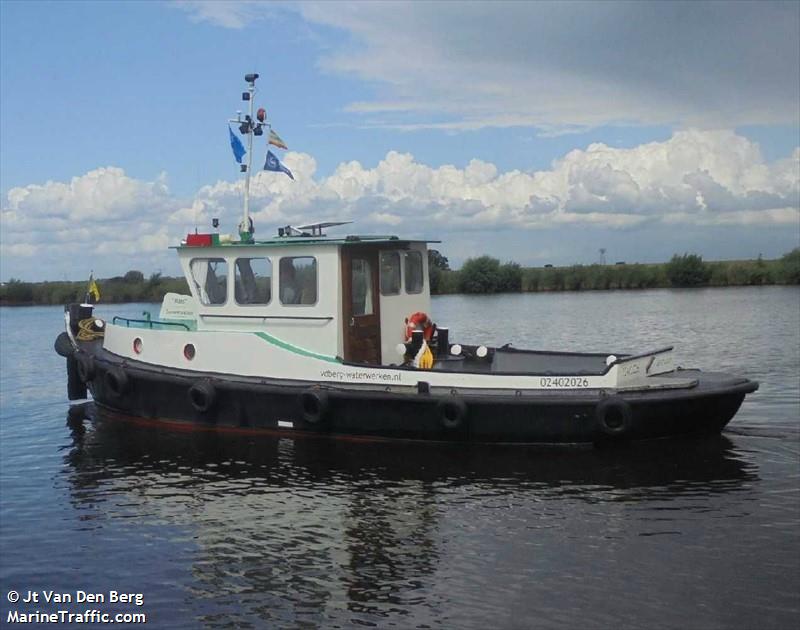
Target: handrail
149,322
307,317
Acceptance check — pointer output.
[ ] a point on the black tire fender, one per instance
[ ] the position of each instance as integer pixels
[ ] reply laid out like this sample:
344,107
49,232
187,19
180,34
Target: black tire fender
86,368
116,382
314,405
202,396
613,416
452,412
63,345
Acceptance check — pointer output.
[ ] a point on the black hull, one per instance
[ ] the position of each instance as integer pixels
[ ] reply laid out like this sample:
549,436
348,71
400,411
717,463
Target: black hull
553,417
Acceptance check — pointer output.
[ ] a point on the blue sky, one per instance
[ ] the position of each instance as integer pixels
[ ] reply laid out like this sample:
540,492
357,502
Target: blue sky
536,132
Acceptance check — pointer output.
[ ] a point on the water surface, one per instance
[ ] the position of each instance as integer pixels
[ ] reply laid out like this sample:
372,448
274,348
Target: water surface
256,531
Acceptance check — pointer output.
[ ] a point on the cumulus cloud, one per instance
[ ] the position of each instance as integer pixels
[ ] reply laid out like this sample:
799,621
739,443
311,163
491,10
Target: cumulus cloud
103,212
558,66
696,178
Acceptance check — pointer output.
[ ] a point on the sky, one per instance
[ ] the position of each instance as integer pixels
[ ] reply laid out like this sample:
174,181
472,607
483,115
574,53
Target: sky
530,131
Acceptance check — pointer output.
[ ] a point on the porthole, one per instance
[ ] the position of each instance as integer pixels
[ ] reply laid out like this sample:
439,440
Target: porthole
188,351
137,345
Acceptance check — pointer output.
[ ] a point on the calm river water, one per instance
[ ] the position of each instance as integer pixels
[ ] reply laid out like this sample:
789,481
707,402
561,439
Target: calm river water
252,532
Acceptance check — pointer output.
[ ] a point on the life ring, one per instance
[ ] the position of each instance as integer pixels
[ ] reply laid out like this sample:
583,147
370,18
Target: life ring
116,382
202,396
314,406
613,415
452,412
86,369
419,321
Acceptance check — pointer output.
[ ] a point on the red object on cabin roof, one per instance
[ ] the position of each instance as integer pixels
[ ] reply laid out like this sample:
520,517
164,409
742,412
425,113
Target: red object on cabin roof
198,240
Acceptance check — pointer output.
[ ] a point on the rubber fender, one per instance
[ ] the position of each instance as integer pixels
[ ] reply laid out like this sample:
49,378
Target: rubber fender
613,416
86,368
116,382
314,406
202,396
63,345
76,387
452,412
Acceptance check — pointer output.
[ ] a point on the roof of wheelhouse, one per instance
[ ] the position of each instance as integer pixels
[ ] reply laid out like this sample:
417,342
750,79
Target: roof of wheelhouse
299,241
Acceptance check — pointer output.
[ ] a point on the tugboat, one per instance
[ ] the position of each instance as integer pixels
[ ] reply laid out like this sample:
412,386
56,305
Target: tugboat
306,333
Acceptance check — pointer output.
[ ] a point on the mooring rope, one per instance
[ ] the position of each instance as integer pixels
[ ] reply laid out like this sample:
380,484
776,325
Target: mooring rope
88,330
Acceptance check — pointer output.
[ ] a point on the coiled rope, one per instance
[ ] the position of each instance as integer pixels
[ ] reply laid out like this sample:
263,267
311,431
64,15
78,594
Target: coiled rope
90,329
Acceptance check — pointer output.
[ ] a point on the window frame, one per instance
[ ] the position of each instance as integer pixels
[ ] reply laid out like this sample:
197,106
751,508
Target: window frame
368,286
200,290
316,280
272,275
408,254
396,253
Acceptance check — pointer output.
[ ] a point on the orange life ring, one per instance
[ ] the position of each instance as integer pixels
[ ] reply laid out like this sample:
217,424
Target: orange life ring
419,321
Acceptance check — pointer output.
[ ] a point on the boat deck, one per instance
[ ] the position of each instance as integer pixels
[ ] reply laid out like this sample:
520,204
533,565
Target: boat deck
508,360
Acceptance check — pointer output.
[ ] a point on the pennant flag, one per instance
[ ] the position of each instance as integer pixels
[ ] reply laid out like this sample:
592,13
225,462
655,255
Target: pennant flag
274,164
237,146
275,139
93,290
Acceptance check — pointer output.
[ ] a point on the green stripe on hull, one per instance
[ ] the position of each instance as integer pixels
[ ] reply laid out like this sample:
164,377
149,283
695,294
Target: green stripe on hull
287,346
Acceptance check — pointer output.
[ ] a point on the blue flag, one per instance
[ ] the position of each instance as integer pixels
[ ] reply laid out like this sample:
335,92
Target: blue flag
237,146
274,164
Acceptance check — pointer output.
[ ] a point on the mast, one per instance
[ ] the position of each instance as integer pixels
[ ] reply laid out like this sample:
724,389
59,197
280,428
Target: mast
250,127
251,90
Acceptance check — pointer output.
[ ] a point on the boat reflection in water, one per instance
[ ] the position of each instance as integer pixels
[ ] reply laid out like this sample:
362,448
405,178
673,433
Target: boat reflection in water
326,531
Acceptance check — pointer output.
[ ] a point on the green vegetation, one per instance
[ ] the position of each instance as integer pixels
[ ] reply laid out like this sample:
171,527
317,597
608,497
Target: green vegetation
487,275
688,270
478,275
132,287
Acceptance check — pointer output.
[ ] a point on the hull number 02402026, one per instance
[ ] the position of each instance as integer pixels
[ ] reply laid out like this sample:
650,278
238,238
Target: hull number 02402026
563,381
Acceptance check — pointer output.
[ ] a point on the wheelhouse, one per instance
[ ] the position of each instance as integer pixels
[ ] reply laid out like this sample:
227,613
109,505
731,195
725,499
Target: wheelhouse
346,297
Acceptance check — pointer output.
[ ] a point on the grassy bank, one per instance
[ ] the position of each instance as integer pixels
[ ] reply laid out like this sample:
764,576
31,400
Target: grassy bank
478,275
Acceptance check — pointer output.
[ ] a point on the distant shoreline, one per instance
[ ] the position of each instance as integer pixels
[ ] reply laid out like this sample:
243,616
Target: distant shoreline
478,276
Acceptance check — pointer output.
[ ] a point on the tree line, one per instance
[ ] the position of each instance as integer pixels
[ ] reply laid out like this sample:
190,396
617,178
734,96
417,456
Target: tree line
487,275
480,275
132,287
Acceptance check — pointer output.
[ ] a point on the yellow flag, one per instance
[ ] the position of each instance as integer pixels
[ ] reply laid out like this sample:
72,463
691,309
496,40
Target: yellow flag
93,289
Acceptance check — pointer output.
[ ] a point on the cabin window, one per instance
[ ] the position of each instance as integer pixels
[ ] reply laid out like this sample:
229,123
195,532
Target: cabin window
362,287
253,281
413,272
298,280
210,277
390,273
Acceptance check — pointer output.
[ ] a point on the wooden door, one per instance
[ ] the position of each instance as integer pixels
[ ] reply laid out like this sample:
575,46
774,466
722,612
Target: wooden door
361,305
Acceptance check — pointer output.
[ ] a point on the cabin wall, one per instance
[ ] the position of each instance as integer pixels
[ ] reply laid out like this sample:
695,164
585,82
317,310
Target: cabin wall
313,327
396,308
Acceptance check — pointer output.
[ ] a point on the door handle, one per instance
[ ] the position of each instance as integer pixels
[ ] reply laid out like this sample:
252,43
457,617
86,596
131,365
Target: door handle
352,321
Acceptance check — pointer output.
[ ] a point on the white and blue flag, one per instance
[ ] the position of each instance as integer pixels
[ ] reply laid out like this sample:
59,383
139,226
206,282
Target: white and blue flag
274,164
237,146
